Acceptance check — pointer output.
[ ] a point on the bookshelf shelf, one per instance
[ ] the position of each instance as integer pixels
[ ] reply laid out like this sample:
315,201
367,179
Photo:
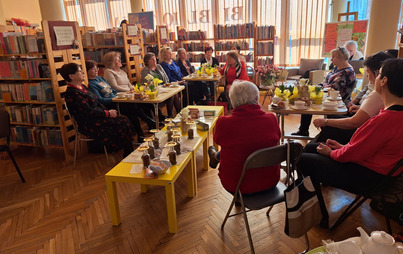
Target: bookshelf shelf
258,40
29,102
36,125
27,54
32,145
24,79
265,55
103,47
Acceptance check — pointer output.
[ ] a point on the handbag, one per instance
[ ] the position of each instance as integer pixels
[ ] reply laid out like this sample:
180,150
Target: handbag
302,205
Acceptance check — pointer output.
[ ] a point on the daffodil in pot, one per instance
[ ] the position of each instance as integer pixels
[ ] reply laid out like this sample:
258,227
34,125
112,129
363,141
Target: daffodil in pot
281,93
293,93
316,94
152,91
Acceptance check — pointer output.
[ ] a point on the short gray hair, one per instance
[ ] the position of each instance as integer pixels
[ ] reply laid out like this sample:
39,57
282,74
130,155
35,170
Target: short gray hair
180,50
343,52
243,92
351,43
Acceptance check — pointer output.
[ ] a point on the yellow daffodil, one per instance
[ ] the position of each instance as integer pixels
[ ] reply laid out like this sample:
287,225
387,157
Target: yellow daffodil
157,81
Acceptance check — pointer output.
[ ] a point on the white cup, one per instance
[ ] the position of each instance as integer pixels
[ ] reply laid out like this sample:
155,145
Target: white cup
276,99
121,95
300,104
330,105
175,83
334,94
129,96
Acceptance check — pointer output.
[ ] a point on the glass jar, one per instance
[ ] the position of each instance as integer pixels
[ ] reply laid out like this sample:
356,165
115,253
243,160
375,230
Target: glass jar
177,147
190,125
156,141
172,152
151,150
169,131
145,157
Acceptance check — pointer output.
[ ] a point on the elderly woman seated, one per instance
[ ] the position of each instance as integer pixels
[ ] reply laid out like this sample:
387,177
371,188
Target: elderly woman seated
372,152
342,128
237,140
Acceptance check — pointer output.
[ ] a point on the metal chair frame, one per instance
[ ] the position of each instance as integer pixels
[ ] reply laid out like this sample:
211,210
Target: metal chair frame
80,137
265,157
5,132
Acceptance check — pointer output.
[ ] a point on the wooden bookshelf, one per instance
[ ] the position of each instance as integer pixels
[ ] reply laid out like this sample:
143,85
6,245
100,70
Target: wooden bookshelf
194,42
264,44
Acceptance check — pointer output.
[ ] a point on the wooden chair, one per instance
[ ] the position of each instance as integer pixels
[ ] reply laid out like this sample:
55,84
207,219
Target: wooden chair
387,187
81,138
265,157
5,133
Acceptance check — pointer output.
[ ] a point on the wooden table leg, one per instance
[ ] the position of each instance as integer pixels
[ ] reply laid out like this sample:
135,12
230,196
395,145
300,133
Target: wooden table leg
144,188
171,208
157,118
215,93
113,202
192,176
282,128
205,152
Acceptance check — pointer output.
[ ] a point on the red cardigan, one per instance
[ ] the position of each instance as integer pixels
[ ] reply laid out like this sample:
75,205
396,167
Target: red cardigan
378,144
231,74
248,129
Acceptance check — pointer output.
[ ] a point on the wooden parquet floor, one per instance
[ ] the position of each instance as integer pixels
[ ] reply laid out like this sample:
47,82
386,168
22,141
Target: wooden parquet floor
64,210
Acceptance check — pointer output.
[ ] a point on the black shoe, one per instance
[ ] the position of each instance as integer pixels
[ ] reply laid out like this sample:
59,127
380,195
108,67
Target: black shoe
151,124
213,159
301,133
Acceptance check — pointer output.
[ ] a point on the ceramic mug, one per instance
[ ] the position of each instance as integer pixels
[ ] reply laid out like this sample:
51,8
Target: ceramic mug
334,94
175,83
300,104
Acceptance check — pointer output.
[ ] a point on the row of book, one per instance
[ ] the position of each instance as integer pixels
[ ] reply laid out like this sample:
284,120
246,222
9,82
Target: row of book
149,36
33,114
195,46
244,45
222,57
195,58
37,136
16,43
24,69
265,48
265,61
37,91
265,32
98,54
234,31
99,39
184,35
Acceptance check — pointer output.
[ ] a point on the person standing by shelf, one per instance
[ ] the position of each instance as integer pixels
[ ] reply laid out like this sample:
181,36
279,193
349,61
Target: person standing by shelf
119,81
212,61
237,48
93,118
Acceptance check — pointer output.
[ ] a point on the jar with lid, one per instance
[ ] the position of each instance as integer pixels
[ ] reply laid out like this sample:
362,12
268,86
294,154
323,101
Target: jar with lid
156,141
177,147
172,152
145,157
151,150
190,125
169,131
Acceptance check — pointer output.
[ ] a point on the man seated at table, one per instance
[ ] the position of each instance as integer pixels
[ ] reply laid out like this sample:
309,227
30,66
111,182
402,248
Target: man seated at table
233,133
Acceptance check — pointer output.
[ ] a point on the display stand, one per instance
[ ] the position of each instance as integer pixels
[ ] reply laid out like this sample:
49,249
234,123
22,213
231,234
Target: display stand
57,58
134,51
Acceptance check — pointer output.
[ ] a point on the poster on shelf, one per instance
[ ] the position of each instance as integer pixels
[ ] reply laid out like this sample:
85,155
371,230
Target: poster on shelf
164,34
337,33
146,19
64,35
135,50
132,30
63,40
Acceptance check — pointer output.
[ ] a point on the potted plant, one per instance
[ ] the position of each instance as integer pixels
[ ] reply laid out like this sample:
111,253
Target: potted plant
268,74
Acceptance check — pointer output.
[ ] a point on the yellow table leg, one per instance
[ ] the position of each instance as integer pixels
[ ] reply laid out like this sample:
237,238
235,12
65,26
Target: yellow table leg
205,153
144,188
192,176
171,208
113,202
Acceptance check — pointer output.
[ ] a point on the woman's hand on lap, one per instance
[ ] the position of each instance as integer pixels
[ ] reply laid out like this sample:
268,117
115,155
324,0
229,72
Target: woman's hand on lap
324,149
333,144
113,113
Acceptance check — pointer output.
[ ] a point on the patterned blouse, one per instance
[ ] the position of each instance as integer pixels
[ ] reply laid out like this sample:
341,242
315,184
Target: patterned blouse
342,80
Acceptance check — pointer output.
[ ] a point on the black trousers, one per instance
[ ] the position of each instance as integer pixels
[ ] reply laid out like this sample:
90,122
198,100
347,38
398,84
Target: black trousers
348,176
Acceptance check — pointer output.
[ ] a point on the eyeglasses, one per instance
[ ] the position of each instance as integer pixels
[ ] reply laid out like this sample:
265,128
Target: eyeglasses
94,69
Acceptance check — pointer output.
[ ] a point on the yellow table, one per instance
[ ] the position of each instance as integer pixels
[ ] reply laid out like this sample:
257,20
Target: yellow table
163,94
214,79
120,173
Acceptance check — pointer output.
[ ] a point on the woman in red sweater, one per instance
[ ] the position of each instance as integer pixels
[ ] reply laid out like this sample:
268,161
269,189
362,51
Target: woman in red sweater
233,133
233,69
372,152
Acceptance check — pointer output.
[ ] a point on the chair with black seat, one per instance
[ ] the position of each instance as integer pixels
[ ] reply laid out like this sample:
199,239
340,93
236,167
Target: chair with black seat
265,157
5,134
387,191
